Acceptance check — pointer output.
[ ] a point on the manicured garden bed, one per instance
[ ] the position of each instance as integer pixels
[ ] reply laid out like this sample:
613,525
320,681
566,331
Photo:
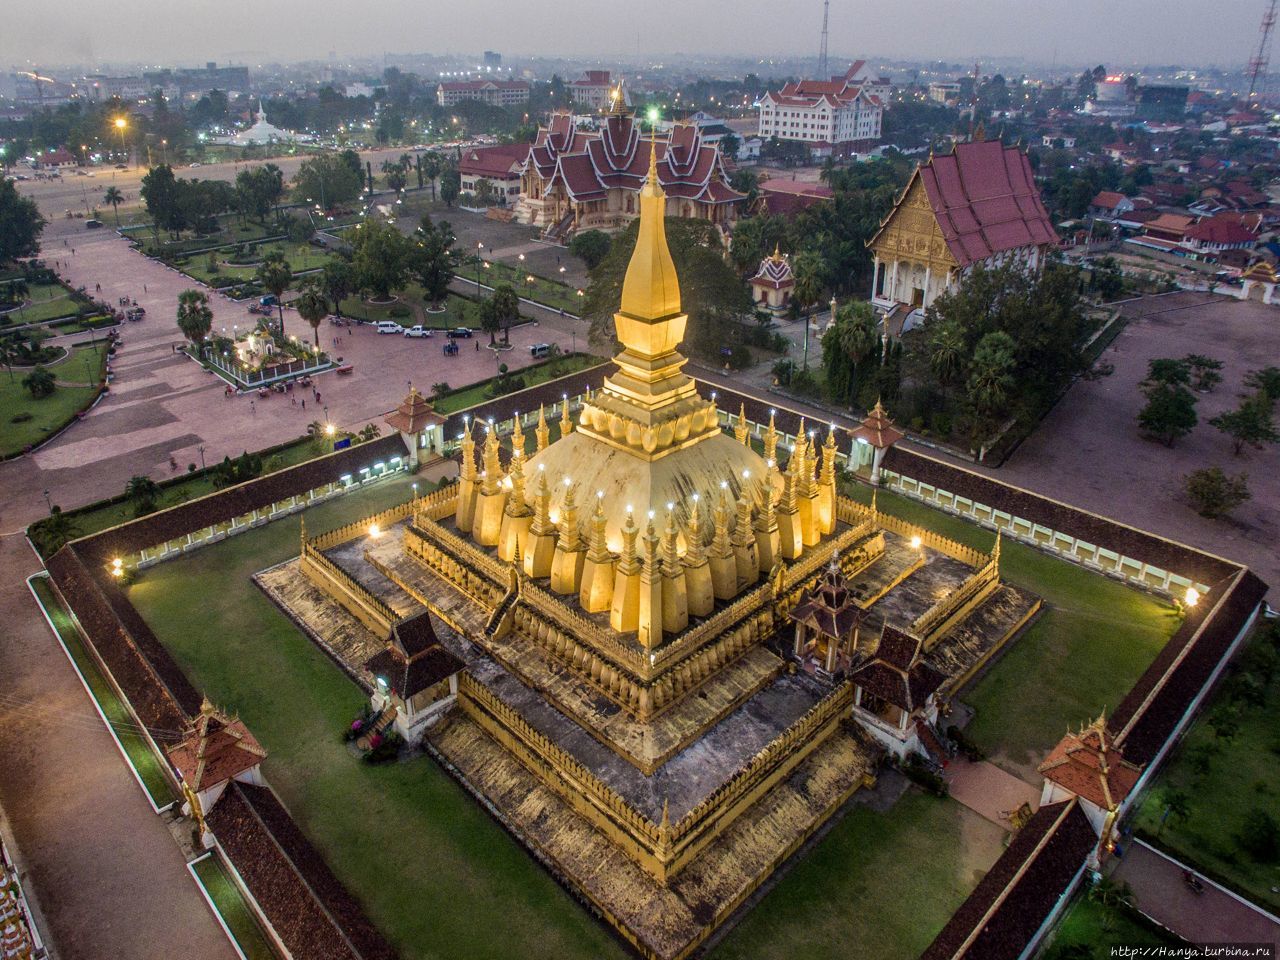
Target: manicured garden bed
532,376
1101,927
235,911
409,308
46,301
302,257
551,293
27,421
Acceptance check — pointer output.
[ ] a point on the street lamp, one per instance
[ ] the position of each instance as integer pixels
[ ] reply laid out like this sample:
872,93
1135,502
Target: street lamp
120,125
479,252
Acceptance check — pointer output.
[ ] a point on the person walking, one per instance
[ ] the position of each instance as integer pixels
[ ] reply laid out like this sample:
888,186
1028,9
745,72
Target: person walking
252,409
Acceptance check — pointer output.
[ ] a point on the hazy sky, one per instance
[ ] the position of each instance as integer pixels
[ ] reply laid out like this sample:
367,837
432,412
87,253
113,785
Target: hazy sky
246,31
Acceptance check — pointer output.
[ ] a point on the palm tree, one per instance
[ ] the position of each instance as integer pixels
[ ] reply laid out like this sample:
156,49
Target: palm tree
114,197
1111,896
144,492
505,304
40,382
195,319
312,307
946,356
18,291
432,167
274,275
810,272
338,280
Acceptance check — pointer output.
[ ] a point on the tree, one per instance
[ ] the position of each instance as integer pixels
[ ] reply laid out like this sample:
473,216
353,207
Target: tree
1170,413
1260,836
1177,806
195,318
313,307
114,197
258,190
450,184
329,180
40,382
754,238
432,164
337,277
505,304
1110,895
1214,493
430,260
144,492
160,195
947,355
20,224
395,175
991,380
1250,423
274,274
1204,371
1167,372
848,349
590,246
1267,381
810,271
380,258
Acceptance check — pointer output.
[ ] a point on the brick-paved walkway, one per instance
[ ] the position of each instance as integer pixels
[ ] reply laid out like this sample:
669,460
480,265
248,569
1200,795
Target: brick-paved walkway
1214,916
989,791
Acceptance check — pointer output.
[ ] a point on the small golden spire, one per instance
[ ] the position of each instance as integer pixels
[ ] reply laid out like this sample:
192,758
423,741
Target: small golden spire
598,550
670,553
628,562
741,430
566,425
542,432
517,438
542,524
695,551
570,535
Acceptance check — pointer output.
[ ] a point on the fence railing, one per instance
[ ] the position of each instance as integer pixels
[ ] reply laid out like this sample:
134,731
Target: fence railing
376,606
937,615
349,531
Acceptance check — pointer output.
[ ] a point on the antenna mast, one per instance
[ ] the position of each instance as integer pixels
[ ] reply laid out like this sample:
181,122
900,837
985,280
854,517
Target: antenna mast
1258,64
822,50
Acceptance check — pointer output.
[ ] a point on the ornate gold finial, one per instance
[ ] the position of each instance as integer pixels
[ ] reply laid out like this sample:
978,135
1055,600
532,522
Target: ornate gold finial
304,533
741,430
874,491
570,534
771,440
995,553
627,560
542,432
720,544
695,550
598,549
542,524
517,437
670,553
650,290
492,465
566,425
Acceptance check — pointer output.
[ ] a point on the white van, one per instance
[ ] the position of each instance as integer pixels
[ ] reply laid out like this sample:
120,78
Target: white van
389,326
540,350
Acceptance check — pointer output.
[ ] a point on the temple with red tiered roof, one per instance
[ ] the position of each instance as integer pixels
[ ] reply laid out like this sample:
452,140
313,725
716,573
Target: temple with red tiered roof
578,179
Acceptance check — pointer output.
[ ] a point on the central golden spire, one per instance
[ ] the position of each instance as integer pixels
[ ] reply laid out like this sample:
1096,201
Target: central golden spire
651,289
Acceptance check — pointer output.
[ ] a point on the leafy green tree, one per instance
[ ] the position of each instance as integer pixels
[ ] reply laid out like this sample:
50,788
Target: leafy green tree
1167,372
144,493
1214,493
850,349
948,355
329,180
1170,413
114,197
394,175
40,382
380,258
20,224
337,277
258,190
490,323
1205,371
275,275
1111,895
450,184
1177,806
1267,381
990,381
754,238
1260,836
195,318
431,258
505,304
1250,423
160,195
590,246
313,307
810,272
432,166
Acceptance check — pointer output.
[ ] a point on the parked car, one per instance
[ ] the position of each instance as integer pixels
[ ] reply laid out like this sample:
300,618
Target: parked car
389,326
461,333
540,350
92,224
268,301
418,330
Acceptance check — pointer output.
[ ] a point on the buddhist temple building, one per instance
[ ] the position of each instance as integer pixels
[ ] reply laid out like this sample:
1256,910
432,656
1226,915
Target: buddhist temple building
576,179
640,639
415,678
772,285
978,204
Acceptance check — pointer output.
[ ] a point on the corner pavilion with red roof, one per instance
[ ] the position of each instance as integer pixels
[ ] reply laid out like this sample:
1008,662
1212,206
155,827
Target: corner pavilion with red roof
977,204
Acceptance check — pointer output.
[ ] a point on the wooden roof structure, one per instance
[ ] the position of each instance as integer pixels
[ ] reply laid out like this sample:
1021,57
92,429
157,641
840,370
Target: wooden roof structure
217,749
878,429
413,660
413,414
1091,766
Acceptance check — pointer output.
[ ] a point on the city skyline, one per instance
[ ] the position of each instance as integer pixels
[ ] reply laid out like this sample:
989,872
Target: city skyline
1176,31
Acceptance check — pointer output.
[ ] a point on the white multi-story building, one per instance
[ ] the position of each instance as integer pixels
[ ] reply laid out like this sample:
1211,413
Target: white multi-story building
594,90
496,93
836,117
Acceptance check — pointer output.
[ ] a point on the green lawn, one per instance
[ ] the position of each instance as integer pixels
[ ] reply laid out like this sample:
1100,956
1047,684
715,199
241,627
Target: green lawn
1242,774
427,862
100,516
48,301
455,312
48,414
1092,640
1101,928
878,887
301,257
540,373
233,908
146,762
552,293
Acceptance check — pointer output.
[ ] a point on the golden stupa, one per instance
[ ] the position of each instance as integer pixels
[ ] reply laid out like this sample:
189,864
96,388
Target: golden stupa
647,439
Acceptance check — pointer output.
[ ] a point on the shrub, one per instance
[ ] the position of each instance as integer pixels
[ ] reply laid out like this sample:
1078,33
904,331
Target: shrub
20,417
783,371
384,747
919,774
400,311
1214,493
1260,836
971,750
440,389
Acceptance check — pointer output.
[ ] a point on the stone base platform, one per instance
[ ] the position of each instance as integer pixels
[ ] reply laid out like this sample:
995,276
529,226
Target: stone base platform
970,645
668,922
